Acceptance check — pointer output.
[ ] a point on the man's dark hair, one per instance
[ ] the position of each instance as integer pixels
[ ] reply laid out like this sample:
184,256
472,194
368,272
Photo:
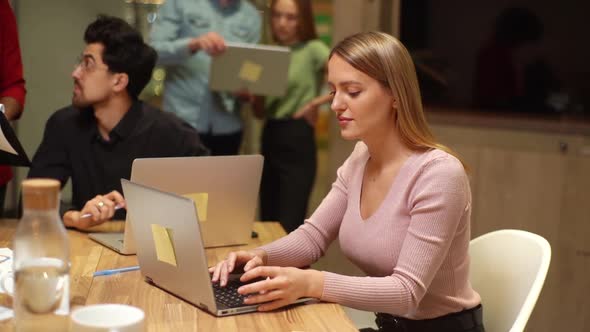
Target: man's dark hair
124,50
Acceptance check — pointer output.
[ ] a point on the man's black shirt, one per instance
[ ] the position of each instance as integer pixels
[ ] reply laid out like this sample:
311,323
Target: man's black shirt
73,148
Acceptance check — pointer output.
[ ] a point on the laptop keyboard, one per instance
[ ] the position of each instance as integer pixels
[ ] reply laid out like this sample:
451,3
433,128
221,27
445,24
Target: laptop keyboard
229,295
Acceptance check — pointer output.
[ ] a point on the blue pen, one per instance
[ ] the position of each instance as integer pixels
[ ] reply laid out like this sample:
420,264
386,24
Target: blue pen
114,271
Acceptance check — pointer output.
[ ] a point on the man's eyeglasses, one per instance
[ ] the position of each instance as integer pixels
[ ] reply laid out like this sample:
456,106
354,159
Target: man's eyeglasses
87,65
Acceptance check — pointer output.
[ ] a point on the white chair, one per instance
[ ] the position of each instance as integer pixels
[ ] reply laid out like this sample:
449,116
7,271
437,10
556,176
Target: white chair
508,269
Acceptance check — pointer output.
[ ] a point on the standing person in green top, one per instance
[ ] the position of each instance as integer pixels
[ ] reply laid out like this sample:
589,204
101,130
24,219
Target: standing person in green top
288,142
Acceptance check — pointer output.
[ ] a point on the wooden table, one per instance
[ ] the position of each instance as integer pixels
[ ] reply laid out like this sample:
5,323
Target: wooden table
165,312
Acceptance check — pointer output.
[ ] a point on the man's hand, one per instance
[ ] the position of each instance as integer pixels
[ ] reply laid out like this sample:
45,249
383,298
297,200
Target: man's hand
211,43
12,109
95,212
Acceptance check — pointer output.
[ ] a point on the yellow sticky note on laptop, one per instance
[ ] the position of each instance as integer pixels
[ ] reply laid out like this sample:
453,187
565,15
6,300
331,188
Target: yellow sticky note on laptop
250,71
164,243
201,200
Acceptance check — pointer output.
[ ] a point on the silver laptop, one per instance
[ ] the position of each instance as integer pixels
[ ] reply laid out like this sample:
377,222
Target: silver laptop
171,254
261,69
122,243
225,187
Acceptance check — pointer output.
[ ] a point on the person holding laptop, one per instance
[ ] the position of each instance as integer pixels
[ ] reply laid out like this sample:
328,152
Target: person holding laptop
288,138
95,140
400,206
186,34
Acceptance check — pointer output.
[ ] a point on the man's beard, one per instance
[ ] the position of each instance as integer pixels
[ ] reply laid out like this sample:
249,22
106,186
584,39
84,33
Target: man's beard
77,98
79,102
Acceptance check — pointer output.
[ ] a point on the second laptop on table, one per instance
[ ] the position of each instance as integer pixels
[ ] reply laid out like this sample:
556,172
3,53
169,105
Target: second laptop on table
224,189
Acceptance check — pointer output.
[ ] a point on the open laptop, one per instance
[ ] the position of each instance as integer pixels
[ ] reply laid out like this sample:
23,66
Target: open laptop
261,69
171,254
225,187
122,243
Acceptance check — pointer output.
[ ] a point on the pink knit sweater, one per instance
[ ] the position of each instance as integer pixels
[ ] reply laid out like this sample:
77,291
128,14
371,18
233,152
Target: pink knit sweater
414,248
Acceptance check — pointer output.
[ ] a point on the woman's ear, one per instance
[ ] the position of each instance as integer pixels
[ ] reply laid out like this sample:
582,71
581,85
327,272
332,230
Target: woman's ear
394,104
121,82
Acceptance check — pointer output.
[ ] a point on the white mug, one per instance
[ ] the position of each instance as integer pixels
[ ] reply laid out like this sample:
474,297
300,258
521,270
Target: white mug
107,318
7,283
39,292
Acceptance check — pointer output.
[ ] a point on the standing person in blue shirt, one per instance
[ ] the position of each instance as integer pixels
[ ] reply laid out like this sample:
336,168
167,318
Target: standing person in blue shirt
186,34
288,140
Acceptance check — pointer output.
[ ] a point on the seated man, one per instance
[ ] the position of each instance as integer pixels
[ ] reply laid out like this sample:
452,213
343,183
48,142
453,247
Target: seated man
95,140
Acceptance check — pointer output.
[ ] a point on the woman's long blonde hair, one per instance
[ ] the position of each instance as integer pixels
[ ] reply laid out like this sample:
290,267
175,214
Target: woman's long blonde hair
385,59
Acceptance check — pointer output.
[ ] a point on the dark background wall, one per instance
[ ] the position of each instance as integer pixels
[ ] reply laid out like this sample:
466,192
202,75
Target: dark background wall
457,28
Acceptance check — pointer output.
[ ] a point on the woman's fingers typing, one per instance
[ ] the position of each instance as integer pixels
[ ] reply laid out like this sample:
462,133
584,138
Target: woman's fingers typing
254,262
282,286
222,270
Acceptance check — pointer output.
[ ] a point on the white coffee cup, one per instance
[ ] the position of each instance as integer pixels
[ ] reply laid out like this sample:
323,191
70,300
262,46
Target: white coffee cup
7,283
107,318
39,291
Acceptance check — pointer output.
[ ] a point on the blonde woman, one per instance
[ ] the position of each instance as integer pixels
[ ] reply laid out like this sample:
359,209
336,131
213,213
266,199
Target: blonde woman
400,206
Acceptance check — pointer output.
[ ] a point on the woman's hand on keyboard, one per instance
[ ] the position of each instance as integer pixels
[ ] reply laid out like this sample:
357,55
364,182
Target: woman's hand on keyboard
282,286
248,259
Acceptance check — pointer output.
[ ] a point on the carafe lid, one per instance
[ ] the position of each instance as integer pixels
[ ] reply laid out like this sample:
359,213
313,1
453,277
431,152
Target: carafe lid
40,194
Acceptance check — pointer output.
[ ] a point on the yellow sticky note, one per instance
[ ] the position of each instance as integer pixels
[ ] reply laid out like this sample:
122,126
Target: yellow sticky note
250,71
164,244
201,200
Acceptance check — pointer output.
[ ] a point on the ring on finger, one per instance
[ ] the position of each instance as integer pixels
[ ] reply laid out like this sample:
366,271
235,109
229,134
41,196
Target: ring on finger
100,205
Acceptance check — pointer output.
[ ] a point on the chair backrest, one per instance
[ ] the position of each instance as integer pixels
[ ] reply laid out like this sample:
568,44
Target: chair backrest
508,269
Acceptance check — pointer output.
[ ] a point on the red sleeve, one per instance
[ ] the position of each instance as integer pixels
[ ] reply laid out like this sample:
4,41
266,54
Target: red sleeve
12,83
